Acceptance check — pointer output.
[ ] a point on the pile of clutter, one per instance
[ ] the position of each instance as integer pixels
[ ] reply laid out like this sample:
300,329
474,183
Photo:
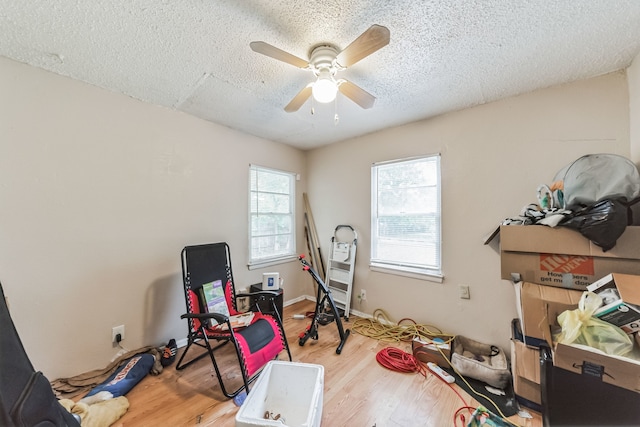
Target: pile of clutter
607,317
106,402
595,195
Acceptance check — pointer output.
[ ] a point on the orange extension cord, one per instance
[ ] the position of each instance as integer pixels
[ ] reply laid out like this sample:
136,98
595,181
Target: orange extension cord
398,360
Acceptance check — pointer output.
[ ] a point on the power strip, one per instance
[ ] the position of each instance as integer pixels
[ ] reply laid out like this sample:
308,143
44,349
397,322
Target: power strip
444,375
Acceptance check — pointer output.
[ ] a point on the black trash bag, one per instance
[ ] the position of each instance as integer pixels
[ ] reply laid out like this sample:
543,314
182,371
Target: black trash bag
602,223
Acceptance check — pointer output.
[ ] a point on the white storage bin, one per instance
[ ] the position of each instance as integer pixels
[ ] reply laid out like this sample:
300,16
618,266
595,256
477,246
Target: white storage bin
293,390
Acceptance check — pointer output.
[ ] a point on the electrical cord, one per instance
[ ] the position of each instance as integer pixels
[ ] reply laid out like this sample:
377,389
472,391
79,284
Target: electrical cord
397,360
382,328
477,393
457,415
474,390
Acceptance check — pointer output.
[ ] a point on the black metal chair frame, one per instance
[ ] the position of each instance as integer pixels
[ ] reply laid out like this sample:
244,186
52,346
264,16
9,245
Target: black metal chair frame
200,336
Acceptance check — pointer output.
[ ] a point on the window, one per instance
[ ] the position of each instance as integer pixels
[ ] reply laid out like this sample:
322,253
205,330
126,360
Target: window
405,216
271,215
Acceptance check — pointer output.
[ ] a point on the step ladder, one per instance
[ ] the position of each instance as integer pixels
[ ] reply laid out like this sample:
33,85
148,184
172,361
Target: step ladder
340,266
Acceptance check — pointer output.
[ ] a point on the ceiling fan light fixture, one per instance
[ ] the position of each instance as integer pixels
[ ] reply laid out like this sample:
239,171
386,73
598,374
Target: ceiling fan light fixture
325,89
325,60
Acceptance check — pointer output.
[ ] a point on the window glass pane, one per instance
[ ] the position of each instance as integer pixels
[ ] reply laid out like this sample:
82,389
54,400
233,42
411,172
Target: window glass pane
253,179
270,246
406,214
273,182
271,214
262,225
269,202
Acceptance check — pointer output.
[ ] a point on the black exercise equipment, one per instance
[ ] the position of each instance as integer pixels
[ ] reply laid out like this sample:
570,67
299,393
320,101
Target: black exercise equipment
323,300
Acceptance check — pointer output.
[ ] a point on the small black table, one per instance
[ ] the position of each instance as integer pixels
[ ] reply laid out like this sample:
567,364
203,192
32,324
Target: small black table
265,306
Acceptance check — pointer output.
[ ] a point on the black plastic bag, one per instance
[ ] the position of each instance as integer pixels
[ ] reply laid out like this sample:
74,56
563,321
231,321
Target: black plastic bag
602,223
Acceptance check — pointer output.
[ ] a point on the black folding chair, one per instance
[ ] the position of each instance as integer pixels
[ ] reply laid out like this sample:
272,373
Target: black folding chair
255,345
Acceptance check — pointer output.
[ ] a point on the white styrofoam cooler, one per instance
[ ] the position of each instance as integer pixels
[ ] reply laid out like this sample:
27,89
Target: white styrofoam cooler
293,390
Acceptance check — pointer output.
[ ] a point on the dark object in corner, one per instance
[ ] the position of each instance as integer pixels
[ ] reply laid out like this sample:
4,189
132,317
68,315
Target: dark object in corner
571,399
169,353
26,397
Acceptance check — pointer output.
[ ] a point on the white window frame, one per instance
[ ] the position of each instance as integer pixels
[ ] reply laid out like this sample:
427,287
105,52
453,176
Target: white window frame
424,271
256,261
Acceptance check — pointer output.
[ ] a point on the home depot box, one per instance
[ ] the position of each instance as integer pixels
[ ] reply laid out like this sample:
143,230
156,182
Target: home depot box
563,257
619,371
531,306
622,300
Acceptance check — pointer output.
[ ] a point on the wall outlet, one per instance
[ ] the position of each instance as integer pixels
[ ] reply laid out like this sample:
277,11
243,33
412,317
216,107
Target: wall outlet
464,292
363,295
115,331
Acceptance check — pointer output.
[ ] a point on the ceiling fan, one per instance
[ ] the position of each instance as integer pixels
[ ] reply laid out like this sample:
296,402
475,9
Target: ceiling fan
325,61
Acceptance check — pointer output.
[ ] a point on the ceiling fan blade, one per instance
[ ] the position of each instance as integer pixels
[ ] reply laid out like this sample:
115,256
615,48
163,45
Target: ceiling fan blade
299,99
374,38
356,94
279,54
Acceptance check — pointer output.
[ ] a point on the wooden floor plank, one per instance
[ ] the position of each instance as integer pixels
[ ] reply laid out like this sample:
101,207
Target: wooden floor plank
358,391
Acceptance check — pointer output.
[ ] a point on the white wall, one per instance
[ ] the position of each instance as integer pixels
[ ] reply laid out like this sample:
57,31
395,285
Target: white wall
99,194
493,158
633,76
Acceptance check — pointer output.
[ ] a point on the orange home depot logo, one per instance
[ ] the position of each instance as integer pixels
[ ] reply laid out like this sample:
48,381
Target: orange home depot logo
567,264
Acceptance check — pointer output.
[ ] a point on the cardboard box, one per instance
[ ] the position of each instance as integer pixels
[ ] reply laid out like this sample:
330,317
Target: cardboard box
562,257
525,367
624,310
531,304
619,371
438,353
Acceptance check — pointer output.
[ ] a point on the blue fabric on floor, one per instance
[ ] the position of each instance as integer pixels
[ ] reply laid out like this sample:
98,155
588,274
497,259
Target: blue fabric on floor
128,375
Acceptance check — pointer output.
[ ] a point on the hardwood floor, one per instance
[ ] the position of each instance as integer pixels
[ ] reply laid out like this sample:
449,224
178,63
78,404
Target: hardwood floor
357,390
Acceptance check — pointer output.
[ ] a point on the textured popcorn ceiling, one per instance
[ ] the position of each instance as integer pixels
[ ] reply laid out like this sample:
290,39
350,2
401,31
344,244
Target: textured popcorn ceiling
444,55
